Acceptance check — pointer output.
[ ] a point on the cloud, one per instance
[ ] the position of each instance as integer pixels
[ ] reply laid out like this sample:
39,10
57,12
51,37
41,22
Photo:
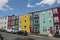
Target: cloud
48,2
28,5
58,1
11,8
8,7
40,3
43,2
3,3
4,6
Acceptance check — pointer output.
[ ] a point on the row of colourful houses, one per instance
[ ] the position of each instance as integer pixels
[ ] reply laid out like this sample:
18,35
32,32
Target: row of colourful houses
45,21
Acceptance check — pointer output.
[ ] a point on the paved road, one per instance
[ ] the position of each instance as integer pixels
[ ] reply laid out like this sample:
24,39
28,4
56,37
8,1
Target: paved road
9,36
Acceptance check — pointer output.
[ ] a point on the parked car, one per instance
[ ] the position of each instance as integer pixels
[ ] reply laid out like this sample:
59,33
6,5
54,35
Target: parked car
23,32
9,30
12,30
1,29
15,30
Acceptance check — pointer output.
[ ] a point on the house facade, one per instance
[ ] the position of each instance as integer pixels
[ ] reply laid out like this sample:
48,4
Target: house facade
4,22
36,21
46,22
56,18
1,23
24,22
31,22
10,22
16,22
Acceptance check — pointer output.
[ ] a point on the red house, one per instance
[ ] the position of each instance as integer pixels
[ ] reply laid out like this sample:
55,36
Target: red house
56,19
10,21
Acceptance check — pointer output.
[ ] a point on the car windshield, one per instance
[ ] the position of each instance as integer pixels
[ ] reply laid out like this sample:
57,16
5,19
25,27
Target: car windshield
14,28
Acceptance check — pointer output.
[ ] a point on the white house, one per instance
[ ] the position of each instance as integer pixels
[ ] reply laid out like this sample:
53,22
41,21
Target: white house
3,23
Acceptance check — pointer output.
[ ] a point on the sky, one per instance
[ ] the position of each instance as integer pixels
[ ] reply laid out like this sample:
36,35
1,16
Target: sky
18,7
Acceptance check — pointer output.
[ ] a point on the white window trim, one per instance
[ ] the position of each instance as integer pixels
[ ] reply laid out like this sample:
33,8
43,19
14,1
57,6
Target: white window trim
45,29
43,13
35,14
50,19
43,20
55,11
56,18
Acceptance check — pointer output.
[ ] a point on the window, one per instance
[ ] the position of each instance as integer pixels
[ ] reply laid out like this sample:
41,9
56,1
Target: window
25,20
30,14
43,20
25,15
9,23
56,19
17,17
35,14
55,11
44,29
36,21
5,18
50,19
56,27
5,26
43,13
50,12
20,21
9,18
5,22
24,27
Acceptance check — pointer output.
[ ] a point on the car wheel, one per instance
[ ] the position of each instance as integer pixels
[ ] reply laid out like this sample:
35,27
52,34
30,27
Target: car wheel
11,31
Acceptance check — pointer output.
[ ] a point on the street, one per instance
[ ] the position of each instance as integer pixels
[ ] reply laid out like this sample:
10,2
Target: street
10,36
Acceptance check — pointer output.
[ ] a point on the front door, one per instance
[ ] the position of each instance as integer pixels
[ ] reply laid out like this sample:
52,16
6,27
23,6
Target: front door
51,31
30,29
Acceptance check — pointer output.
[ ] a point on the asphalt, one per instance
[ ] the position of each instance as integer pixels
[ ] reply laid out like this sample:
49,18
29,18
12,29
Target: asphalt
10,36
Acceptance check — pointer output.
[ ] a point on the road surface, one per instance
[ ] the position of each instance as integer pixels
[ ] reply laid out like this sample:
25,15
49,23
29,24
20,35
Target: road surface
10,36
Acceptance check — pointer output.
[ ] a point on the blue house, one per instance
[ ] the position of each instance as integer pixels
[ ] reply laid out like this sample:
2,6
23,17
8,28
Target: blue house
31,22
34,21
46,22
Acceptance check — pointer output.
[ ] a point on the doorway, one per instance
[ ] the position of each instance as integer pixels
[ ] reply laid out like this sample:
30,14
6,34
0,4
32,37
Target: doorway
57,29
51,31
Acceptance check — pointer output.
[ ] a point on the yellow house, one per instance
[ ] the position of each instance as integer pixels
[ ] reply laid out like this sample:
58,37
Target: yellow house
24,22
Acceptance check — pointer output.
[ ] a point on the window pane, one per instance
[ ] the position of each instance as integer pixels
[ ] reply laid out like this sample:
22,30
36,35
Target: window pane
56,19
50,19
35,14
24,27
43,20
25,20
55,11
43,13
44,28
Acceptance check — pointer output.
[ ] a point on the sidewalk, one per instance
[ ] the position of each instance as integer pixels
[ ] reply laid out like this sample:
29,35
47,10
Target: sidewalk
45,36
